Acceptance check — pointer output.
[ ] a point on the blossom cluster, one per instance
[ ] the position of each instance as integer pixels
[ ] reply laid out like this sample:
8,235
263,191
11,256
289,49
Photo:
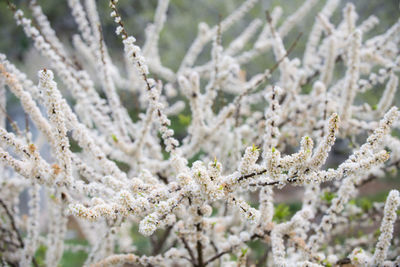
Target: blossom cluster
203,198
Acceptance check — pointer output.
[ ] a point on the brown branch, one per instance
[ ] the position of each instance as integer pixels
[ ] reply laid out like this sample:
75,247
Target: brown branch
193,259
12,221
217,256
343,261
54,49
246,176
271,70
253,237
317,72
113,6
372,177
160,243
243,177
11,6
14,227
12,122
274,67
214,246
162,177
35,23
199,248
27,128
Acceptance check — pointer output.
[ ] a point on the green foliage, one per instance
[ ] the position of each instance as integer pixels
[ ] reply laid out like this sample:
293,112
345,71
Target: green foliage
306,89
365,204
184,119
74,145
197,156
255,148
122,165
71,259
328,196
377,233
40,255
257,249
244,251
395,133
360,233
114,137
141,242
233,257
326,263
282,212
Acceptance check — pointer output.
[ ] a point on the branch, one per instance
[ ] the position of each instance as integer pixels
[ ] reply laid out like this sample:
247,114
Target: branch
14,227
160,243
217,256
199,247
243,177
193,259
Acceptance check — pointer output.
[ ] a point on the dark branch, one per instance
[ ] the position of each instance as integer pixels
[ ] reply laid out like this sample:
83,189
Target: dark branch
243,177
160,243
193,259
14,227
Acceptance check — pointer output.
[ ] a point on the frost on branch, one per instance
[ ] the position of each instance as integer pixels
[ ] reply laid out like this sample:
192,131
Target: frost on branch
203,197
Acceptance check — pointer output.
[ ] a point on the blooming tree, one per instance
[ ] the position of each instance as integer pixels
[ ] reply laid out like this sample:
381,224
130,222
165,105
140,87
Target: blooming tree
248,137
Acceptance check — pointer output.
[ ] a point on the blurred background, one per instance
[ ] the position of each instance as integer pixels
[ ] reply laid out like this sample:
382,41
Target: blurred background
178,33
181,26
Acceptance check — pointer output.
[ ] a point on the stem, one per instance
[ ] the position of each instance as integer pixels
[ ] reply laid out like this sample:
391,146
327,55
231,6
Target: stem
200,254
189,250
160,243
14,227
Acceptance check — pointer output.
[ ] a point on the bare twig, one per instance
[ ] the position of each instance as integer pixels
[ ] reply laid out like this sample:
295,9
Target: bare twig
191,254
14,227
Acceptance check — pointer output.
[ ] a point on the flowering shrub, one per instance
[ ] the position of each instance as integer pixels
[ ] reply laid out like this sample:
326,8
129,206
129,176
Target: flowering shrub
203,199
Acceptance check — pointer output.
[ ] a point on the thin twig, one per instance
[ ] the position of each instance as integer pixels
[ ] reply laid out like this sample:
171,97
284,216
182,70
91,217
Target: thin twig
189,250
270,71
14,227
217,256
243,177
12,122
